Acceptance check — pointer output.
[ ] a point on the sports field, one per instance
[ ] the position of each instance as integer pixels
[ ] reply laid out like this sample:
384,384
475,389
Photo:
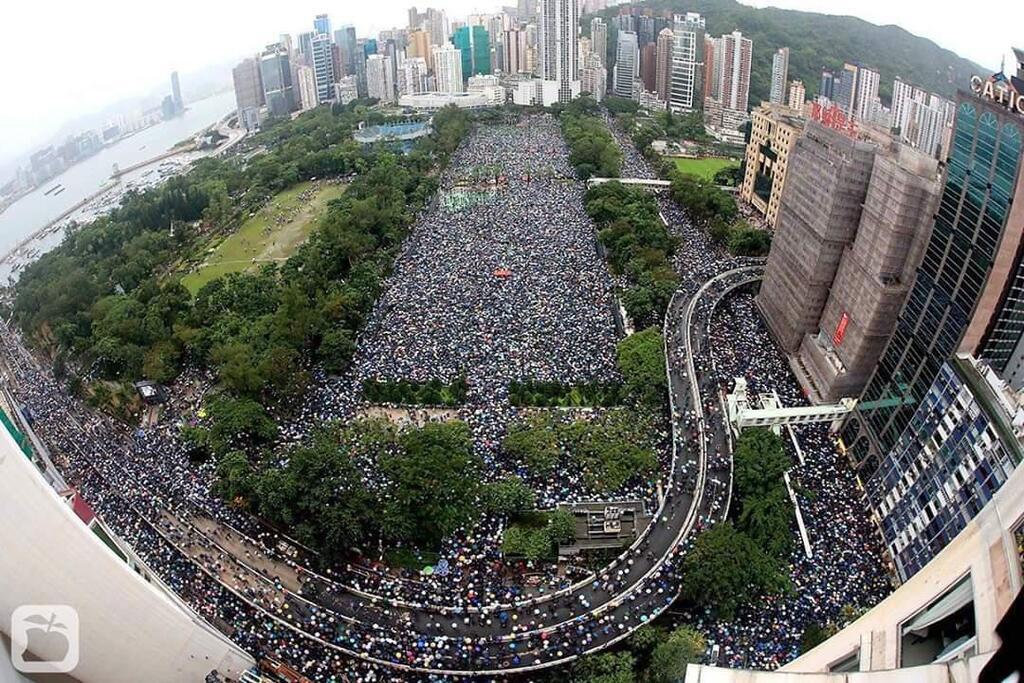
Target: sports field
704,168
271,235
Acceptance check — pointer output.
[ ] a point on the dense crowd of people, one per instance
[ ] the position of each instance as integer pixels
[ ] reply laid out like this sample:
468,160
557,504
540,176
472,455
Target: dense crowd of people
507,288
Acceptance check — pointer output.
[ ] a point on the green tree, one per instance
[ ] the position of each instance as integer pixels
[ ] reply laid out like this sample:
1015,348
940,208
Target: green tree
759,460
726,570
607,667
235,481
237,424
535,443
641,360
685,645
336,350
509,496
562,526
433,484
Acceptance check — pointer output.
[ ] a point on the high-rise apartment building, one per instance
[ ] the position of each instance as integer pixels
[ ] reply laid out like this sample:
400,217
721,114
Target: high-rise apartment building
594,78
797,97
965,293
437,25
248,86
305,82
825,186
559,55
381,77
648,66
474,44
346,89
276,75
323,66
686,84
663,67
627,65
774,131
874,275
735,86
448,69
866,98
856,91
412,76
780,75
419,46
713,56
514,49
903,93
599,39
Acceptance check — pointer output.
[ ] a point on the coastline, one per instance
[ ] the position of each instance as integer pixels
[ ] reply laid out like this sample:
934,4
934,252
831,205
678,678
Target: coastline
174,161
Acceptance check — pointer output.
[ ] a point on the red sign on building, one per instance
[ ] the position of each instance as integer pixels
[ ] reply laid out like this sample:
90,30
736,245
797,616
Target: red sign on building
833,117
837,336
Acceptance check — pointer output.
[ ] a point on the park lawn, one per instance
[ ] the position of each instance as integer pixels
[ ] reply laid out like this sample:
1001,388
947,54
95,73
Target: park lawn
261,239
705,168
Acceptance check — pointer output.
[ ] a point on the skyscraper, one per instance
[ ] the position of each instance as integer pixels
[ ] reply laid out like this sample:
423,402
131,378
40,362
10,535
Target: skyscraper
818,216
345,37
474,44
866,98
248,87
844,89
448,69
965,292
712,66
322,24
323,67
797,97
594,79
663,68
627,64
826,88
380,79
559,55
419,46
780,75
874,274
599,39
437,25
179,104
649,66
276,75
735,88
305,81
412,76
686,84
903,94
306,47
514,52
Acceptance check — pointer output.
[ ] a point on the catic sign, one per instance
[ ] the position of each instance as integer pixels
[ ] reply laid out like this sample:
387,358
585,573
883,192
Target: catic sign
998,91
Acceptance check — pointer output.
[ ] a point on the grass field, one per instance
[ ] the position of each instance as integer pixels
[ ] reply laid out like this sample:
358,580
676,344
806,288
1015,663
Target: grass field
271,235
704,168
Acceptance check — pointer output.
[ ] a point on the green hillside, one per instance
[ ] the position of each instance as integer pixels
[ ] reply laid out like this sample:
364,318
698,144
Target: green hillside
821,40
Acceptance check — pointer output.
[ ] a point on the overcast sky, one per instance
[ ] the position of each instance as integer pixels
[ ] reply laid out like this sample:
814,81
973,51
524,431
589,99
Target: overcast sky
72,57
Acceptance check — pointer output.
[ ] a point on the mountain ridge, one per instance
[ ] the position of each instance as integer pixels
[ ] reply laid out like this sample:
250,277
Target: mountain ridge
819,40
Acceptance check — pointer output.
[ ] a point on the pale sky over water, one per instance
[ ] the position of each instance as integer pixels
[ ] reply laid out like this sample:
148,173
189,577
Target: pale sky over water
68,57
